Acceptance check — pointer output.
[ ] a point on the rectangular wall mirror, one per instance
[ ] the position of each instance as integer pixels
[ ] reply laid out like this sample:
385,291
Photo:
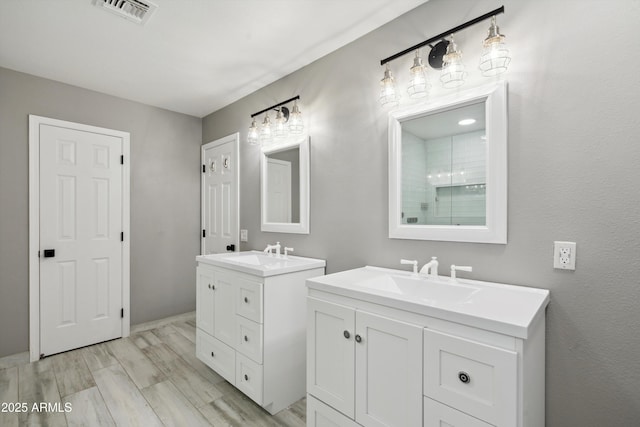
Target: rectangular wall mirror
285,187
448,168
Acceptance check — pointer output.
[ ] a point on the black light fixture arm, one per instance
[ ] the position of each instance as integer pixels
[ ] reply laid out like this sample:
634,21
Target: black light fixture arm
276,106
444,34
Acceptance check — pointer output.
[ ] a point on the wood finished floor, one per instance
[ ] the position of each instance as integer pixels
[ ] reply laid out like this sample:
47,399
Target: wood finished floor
151,378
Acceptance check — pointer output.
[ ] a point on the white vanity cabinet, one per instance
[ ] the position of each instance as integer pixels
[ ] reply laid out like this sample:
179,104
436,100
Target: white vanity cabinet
250,319
387,351
366,366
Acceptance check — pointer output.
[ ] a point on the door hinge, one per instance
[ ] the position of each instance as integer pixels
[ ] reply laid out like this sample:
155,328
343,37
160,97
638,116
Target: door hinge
204,168
204,233
122,236
122,313
122,159
38,254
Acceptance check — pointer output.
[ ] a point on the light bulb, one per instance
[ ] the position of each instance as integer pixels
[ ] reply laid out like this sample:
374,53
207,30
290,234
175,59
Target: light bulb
418,83
296,124
495,57
453,73
266,135
280,128
388,93
252,137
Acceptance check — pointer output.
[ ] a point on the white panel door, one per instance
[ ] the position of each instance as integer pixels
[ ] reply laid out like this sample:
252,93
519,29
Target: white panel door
81,219
220,174
330,354
388,372
278,190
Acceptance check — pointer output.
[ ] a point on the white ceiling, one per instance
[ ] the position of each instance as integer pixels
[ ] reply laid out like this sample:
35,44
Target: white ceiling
192,56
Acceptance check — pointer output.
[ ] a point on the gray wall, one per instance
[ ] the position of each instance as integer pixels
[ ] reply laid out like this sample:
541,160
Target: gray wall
574,97
165,188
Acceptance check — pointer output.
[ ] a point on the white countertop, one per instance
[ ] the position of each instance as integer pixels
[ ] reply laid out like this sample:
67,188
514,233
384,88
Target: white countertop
260,264
497,307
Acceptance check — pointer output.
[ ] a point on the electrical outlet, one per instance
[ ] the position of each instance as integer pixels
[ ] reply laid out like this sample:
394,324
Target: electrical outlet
244,235
564,255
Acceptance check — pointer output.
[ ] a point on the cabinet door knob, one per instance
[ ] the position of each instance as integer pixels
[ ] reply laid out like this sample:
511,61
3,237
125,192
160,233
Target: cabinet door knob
246,300
246,377
246,338
213,355
346,334
209,285
464,377
213,287
358,338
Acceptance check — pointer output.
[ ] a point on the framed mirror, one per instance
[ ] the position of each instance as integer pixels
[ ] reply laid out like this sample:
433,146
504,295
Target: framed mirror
285,187
448,168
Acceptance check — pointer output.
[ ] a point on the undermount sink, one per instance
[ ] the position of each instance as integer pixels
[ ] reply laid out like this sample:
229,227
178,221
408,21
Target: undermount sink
420,288
261,264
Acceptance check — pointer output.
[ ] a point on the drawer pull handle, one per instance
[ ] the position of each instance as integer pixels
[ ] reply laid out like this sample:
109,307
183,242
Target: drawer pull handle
346,334
464,377
246,377
246,300
246,338
358,338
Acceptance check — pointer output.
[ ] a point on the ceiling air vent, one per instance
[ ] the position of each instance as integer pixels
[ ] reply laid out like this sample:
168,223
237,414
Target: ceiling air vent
133,10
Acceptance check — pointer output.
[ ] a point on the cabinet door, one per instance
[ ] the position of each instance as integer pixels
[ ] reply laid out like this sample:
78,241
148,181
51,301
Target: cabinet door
330,354
224,310
204,299
388,372
321,415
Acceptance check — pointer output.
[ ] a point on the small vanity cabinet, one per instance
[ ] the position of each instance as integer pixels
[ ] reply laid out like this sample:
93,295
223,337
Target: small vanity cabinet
250,317
385,348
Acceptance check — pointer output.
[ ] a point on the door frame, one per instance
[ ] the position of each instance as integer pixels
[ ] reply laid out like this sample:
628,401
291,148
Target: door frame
235,138
34,223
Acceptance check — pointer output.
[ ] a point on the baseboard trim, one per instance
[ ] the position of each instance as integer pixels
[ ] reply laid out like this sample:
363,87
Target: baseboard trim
161,322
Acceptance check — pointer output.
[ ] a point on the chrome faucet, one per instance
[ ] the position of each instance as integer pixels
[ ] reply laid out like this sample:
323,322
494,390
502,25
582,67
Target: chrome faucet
271,248
431,268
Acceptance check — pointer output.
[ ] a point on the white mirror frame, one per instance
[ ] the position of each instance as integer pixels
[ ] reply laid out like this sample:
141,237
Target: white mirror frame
301,227
495,230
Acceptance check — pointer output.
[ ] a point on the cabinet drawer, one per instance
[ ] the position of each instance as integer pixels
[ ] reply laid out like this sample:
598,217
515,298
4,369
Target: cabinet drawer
321,415
249,375
476,378
249,300
249,339
438,415
217,355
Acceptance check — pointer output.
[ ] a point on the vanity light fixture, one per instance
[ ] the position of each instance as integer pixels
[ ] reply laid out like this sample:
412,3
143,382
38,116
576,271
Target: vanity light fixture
453,73
495,56
253,135
418,83
285,123
266,135
446,56
388,92
296,124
